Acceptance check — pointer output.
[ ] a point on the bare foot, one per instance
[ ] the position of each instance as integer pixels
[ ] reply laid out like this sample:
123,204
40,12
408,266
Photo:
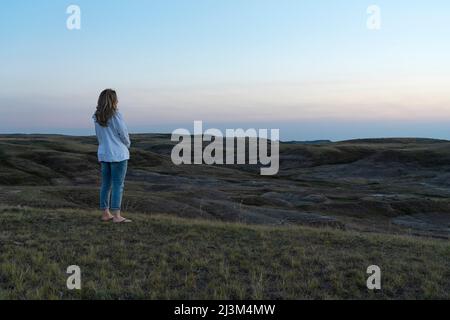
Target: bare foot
118,218
121,220
107,216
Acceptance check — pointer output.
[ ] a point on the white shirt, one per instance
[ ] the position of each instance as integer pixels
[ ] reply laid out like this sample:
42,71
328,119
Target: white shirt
113,140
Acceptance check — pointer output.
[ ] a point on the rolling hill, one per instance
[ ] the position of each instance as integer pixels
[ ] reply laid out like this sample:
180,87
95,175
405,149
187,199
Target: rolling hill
226,232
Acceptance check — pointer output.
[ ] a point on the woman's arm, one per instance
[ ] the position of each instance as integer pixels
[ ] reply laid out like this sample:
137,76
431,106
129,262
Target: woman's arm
121,129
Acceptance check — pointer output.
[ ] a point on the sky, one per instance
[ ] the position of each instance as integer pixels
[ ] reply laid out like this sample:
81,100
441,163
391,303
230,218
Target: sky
311,68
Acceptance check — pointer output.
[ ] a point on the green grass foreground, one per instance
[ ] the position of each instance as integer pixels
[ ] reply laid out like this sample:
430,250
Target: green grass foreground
160,257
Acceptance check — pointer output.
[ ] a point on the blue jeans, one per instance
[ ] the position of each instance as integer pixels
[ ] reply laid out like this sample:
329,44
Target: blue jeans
113,181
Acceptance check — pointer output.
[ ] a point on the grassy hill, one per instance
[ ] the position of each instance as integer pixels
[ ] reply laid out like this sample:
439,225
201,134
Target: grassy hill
393,186
225,231
162,257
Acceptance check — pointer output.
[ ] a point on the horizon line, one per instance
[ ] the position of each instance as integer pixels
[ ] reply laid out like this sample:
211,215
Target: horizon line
282,141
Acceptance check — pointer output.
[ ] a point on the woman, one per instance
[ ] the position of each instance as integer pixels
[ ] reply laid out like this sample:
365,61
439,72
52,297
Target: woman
113,154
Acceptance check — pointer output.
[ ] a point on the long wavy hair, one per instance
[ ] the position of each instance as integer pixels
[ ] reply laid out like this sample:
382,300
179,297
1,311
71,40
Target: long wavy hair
106,106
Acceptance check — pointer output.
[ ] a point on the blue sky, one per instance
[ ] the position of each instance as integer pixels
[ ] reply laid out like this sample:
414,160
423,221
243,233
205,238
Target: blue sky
311,68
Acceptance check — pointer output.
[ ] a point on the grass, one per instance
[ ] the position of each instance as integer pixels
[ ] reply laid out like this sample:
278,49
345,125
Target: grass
162,257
